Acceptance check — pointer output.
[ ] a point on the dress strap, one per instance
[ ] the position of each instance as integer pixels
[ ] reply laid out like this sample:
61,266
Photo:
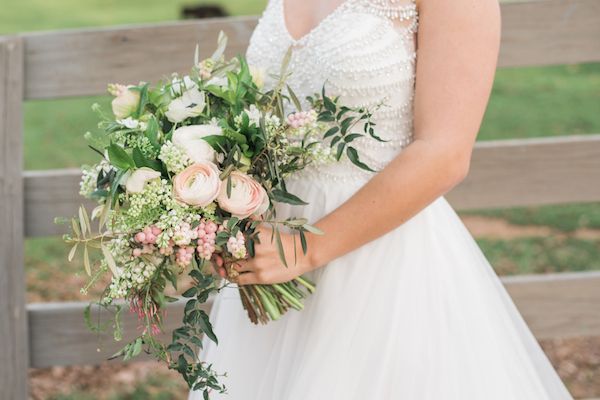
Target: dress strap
403,10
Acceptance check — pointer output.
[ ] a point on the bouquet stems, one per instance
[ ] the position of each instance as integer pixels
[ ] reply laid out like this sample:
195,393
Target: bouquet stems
265,303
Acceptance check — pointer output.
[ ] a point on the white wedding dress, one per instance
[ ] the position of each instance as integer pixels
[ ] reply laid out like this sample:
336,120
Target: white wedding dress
417,314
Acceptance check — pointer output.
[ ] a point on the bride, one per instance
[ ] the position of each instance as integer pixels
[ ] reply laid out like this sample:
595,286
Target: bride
407,306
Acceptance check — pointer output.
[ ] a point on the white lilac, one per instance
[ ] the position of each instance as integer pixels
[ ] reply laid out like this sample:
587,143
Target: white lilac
133,277
89,177
184,234
253,114
133,138
174,158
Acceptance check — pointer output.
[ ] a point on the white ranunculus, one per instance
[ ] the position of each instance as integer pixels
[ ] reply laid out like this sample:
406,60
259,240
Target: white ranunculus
191,140
126,100
190,104
180,85
253,115
217,81
138,179
258,76
129,123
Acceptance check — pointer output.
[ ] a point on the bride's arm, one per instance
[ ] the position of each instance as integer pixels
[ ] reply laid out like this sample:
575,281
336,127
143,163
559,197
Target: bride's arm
458,45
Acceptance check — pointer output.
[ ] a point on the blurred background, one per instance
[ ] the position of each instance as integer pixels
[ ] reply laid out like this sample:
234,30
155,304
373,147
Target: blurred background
526,102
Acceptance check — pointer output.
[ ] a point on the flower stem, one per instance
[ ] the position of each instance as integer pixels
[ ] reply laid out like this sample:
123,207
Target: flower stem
268,304
306,283
289,297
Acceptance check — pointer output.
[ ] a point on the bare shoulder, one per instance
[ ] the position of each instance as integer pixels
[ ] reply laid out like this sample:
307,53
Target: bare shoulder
486,11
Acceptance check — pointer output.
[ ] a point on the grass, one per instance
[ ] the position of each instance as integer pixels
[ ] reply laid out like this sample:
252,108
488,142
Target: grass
543,101
565,218
538,255
36,15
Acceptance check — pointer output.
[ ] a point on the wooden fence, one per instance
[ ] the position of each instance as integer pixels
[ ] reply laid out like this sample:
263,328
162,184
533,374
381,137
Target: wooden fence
81,62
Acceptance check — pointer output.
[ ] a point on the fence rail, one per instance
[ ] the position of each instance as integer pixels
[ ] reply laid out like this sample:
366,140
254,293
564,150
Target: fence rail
557,305
51,65
503,173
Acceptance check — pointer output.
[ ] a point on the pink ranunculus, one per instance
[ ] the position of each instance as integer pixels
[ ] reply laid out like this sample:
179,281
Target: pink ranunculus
197,185
247,196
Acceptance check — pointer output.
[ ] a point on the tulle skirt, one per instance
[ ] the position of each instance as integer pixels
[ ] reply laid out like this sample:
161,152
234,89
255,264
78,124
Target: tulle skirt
417,314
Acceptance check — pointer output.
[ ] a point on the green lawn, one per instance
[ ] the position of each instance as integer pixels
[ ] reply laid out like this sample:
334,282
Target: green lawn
547,101
36,15
538,255
565,218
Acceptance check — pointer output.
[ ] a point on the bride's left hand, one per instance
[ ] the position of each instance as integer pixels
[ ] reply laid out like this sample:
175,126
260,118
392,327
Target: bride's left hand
266,266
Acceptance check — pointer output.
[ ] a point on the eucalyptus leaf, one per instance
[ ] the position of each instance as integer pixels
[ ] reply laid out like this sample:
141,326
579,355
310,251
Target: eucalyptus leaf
286,197
313,229
72,252
303,242
280,246
294,98
110,261
86,261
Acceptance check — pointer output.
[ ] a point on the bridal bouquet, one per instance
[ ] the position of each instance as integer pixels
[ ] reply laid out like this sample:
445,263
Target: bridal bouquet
188,169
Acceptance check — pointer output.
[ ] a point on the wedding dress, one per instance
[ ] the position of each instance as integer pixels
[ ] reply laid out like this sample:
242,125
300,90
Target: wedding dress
417,314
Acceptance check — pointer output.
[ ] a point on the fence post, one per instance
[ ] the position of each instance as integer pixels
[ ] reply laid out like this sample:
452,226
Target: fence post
14,354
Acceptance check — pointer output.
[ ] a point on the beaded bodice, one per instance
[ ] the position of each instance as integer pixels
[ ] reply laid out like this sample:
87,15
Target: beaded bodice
364,51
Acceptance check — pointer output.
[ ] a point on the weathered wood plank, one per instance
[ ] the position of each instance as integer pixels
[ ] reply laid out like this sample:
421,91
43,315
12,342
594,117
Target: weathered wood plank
60,337
526,172
50,194
83,62
13,323
559,305
550,32
503,173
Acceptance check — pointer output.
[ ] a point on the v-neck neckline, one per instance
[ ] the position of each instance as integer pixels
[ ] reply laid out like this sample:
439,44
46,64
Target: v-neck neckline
314,29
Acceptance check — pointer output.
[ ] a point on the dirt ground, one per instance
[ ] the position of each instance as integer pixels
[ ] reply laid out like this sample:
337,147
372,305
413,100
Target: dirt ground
577,360
499,228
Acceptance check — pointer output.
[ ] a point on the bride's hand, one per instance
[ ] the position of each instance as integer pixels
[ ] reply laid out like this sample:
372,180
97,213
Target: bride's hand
266,267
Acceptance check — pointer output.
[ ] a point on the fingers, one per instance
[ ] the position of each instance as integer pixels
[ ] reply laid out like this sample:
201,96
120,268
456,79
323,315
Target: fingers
244,266
248,278
217,263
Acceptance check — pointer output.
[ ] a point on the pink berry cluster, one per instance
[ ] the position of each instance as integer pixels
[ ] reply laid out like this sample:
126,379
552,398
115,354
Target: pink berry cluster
207,233
147,238
301,118
184,255
183,242
237,245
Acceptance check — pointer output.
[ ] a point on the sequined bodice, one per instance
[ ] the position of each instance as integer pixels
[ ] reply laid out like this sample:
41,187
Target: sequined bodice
364,51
